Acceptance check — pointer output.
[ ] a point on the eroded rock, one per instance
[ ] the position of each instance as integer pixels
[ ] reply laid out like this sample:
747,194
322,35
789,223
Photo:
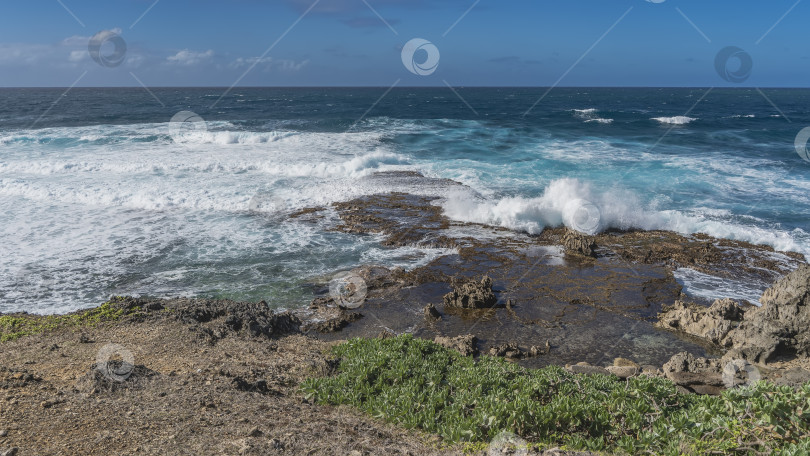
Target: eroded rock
712,323
466,344
698,375
431,314
780,329
579,244
472,294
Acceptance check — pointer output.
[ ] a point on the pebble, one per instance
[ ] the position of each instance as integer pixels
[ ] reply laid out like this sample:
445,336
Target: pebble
3,432
10,452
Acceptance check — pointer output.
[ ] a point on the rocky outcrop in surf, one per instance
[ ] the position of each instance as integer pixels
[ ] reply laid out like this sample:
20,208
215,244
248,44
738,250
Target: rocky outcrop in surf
578,244
471,294
780,329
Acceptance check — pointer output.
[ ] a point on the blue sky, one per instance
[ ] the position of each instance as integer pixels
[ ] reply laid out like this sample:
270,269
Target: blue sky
345,43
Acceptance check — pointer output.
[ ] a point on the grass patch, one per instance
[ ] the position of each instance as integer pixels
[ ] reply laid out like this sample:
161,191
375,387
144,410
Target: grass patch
418,384
13,327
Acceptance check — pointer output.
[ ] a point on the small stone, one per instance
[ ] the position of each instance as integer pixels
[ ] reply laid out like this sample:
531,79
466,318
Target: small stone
10,452
3,432
624,362
623,372
84,339
585,368
431,313
255,432
46,404
466,344
509,350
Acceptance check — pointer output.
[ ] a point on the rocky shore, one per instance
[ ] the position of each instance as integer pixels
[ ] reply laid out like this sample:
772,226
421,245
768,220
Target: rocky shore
196,376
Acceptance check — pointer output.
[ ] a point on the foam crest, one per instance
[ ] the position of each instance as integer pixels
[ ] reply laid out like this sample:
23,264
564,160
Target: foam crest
676,120
567,201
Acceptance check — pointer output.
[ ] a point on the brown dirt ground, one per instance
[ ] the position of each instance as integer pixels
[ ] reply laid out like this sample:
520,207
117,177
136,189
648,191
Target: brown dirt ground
185,396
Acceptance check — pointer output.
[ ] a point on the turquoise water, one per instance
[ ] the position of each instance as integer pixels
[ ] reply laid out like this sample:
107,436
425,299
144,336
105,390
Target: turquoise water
104,195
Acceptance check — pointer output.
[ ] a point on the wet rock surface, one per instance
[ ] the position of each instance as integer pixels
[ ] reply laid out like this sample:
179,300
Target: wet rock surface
590,309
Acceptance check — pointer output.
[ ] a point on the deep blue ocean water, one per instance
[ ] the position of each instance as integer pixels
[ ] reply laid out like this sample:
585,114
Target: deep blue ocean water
101,194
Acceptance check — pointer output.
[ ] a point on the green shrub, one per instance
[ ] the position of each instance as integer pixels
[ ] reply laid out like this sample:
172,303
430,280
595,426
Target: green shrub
418,384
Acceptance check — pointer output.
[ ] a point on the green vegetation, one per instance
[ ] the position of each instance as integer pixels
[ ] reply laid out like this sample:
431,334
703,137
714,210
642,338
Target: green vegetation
418,384
13,327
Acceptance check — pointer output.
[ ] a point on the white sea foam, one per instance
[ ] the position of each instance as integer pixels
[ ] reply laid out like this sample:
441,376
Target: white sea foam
590,115
677,120
711,287
618,208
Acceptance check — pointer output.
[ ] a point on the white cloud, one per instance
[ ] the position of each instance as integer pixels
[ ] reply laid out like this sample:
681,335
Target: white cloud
187,57
269,63
79,56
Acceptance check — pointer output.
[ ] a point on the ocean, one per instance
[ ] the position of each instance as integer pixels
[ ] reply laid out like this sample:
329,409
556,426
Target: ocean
184,192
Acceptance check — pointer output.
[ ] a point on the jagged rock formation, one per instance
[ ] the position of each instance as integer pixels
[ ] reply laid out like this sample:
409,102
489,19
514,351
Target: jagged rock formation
780,329
578,244
713,323
472,294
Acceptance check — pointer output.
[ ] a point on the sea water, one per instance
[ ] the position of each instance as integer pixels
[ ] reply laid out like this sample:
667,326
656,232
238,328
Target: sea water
102,194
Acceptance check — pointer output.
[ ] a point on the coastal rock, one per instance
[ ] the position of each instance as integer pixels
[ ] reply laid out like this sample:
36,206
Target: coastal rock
466,344
712,323
508,350
795,377
624,362
472,294
431,314
698,375
337,320
578,243
586,368
256,319
780,329
623,372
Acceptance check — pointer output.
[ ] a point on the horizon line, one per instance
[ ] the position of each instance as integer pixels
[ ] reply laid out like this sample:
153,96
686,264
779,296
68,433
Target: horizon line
407,87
